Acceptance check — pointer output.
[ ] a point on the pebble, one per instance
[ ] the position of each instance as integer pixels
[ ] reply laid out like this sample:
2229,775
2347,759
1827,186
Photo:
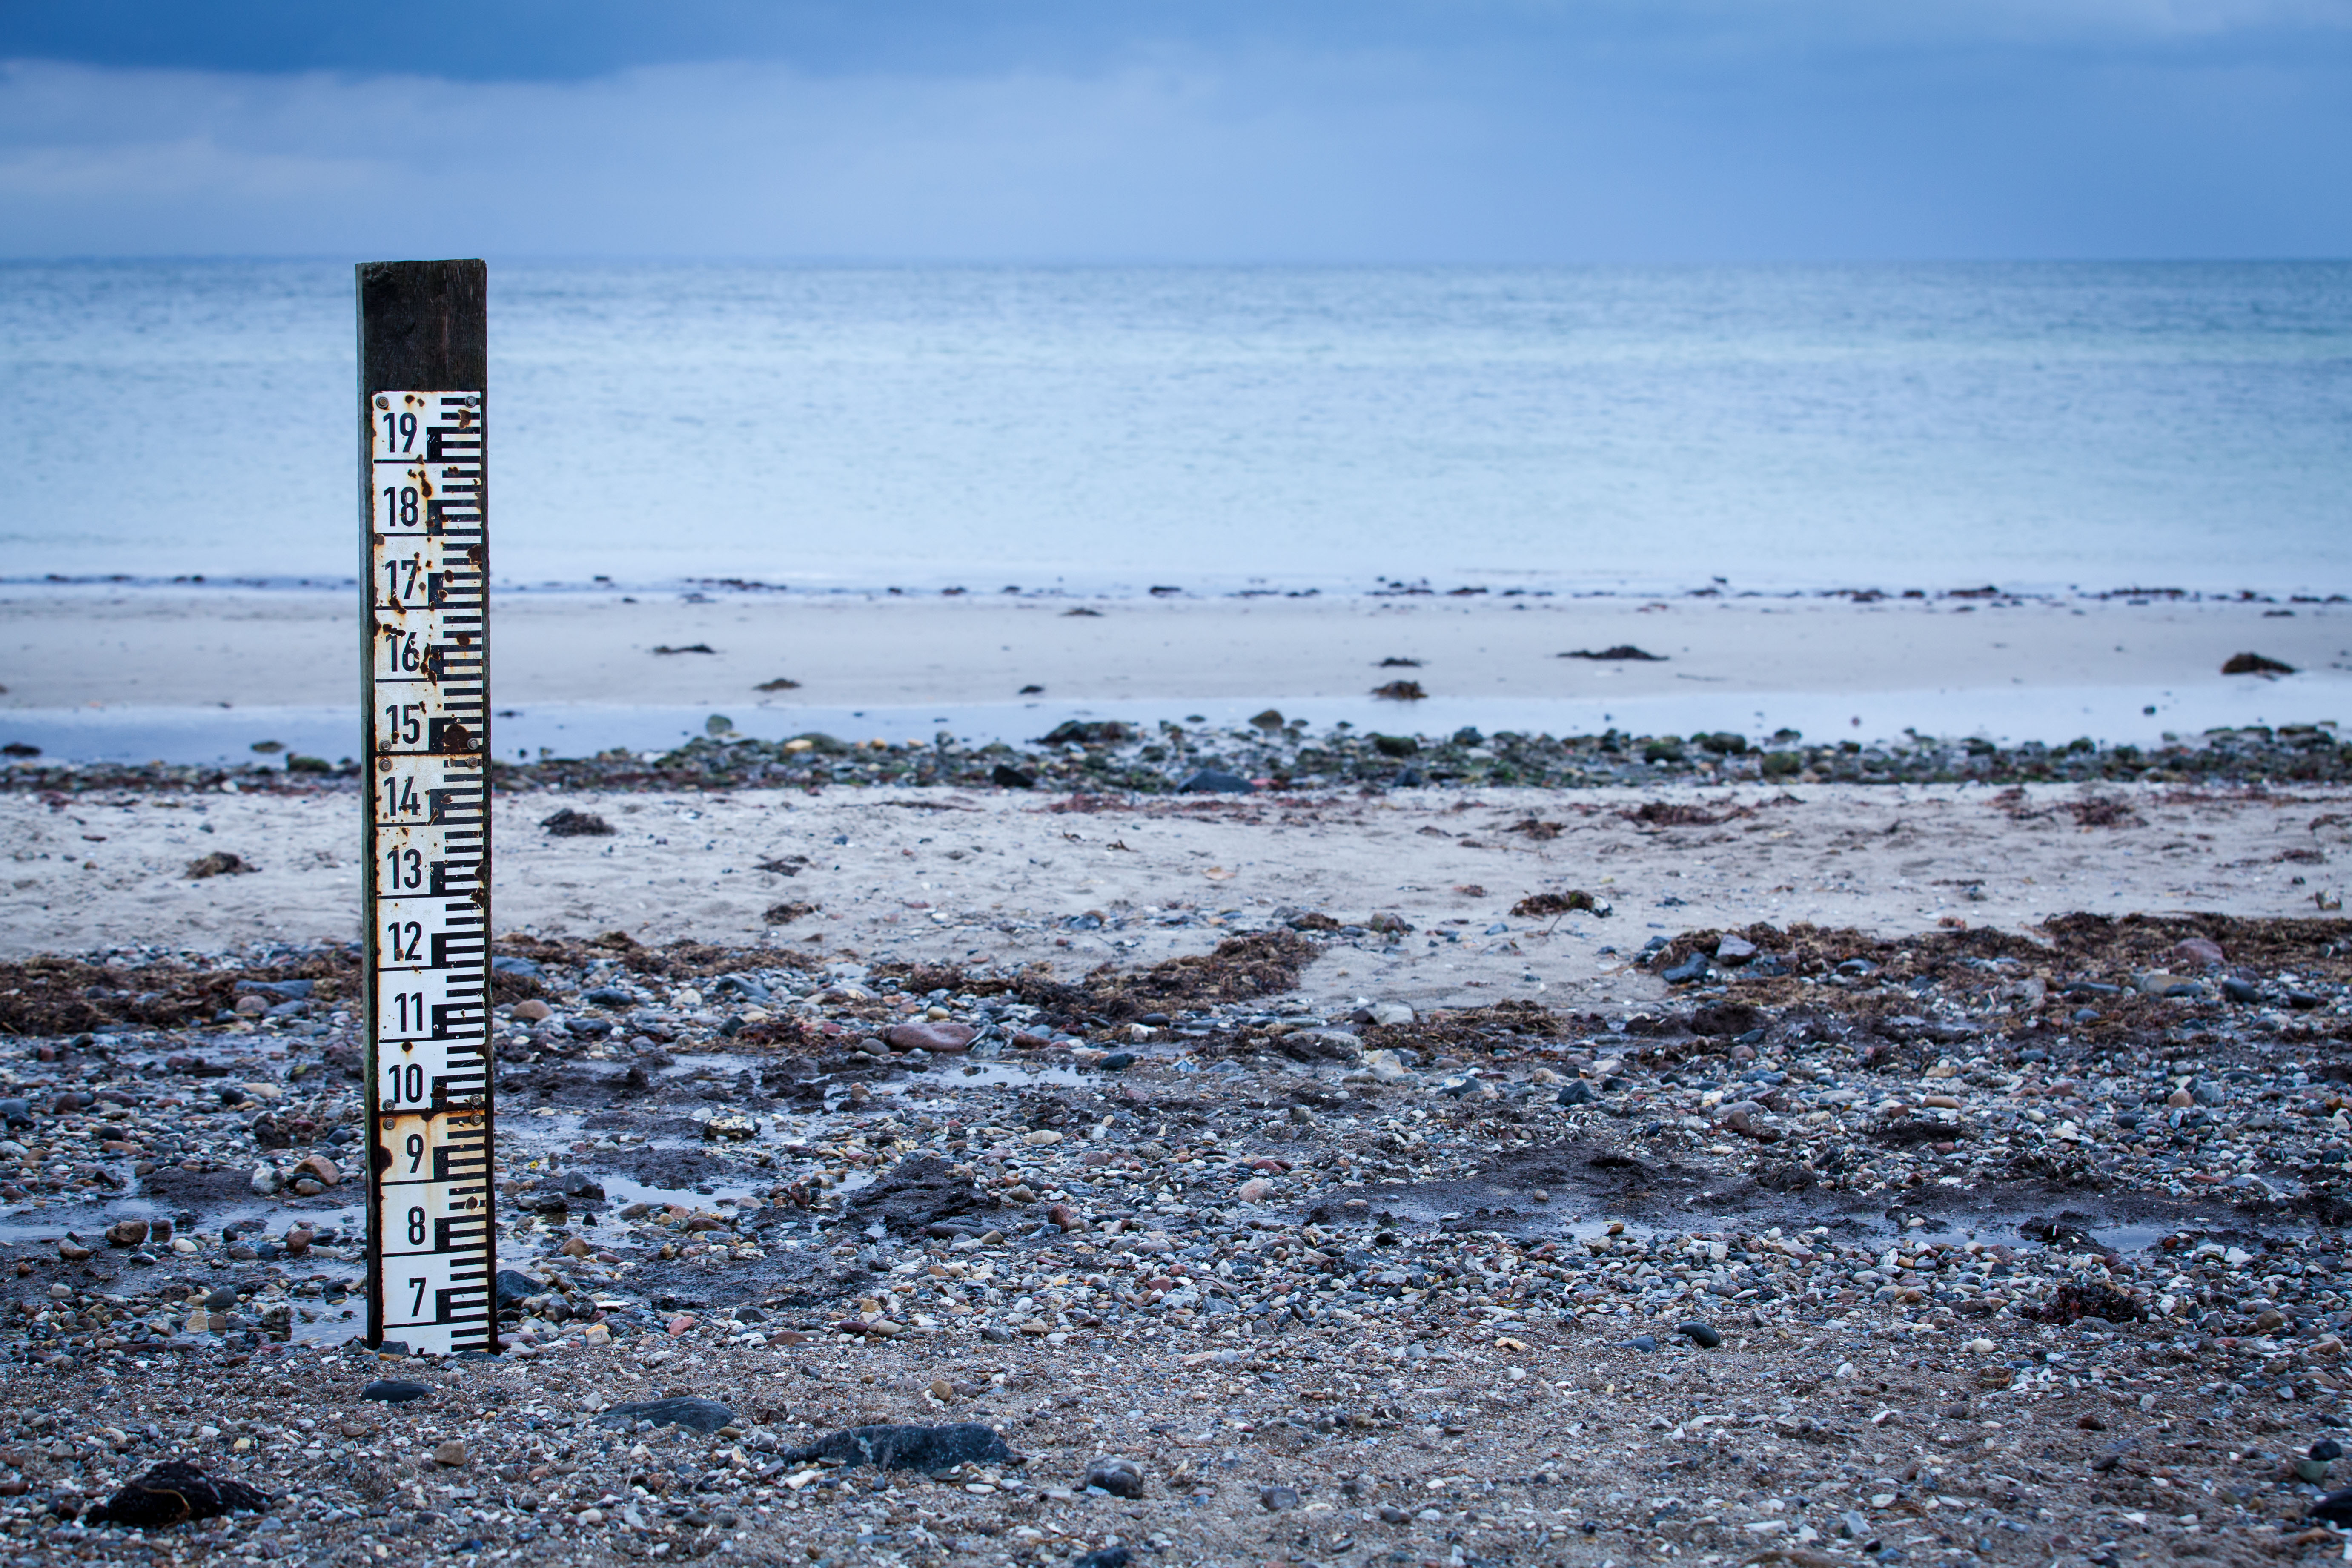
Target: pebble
1119,1478
942,1038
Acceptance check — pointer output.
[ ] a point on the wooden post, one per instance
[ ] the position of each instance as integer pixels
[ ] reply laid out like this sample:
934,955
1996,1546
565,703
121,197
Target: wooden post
425,861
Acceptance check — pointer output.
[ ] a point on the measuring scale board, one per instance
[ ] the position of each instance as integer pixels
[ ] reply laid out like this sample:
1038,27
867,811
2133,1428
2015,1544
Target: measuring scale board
430,1231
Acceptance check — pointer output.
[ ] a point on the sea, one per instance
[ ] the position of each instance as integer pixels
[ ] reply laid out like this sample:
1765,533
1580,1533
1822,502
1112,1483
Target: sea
2043,427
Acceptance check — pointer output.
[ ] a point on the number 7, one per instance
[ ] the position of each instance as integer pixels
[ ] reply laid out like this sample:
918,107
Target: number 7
417,1307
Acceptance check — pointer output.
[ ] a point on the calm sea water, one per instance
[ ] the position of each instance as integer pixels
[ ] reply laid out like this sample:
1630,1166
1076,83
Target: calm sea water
2039,426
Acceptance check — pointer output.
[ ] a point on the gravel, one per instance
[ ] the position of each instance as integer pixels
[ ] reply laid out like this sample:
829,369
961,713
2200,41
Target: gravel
1847,1241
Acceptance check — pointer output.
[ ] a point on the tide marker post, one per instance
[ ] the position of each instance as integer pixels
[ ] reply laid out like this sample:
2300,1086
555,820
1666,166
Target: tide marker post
425,865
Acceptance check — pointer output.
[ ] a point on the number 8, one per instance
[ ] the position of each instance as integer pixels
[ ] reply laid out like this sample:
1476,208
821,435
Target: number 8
416,1228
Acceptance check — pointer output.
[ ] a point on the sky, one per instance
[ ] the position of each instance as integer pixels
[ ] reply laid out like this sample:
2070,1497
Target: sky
1348,131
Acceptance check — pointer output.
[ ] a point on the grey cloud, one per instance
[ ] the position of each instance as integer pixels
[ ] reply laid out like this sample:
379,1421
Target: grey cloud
1629,152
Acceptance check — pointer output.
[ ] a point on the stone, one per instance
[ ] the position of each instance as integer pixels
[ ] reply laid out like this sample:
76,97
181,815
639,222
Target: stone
1390,1014
513,1287
944,1037
1734,949
1689,969
2255,664
449,1452
1004,775
127,1233
1700,1334
699,1415
894,1447
1214,781
267,1180
533,1011
320,1169
570,824
395,1390
2199,951
1278,1499
1119,1478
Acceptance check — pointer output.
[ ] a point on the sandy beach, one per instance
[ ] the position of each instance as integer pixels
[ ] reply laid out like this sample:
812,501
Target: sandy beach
1365,1161
67,647
998,876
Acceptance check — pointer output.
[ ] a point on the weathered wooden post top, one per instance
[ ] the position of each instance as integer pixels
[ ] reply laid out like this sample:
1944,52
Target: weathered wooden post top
425,882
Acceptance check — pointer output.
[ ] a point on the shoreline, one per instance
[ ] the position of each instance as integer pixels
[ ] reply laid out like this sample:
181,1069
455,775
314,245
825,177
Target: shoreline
1499,585
89,660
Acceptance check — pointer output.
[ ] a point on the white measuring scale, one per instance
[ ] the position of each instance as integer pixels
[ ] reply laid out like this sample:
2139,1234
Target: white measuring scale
431,1237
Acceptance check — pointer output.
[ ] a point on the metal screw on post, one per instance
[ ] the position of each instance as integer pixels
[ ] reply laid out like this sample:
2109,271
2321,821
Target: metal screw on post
425,861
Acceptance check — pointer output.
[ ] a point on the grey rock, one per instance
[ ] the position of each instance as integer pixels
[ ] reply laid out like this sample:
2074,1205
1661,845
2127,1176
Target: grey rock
1210,781
700,1415
513,1284
926,1449
1700,1334
742,986
1278,1499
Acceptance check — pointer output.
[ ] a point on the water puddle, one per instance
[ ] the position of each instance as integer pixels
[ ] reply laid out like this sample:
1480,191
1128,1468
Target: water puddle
622,1191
